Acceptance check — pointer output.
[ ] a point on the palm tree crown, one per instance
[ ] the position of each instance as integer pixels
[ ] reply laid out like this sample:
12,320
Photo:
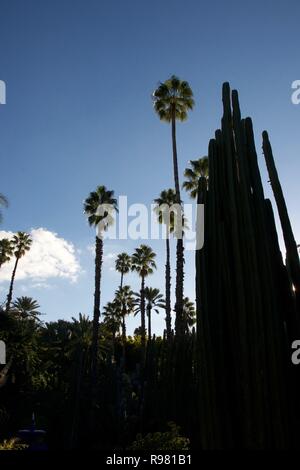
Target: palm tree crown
123,265
26,307
163,203
174,97
154,299
100,197
21,243
112,318
199,168
143,260
6,250
124,300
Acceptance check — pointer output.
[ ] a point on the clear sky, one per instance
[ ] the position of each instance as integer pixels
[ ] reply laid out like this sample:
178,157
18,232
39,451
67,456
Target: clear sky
79,77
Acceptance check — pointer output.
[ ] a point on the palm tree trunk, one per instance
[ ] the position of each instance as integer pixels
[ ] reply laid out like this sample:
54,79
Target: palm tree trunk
98,267
179,328
175,162
113,343
123,336
179,248
149,322
10,292
168,287
123,325
143,323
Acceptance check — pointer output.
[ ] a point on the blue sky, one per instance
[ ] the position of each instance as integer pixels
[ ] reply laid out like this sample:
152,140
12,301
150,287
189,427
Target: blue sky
79,77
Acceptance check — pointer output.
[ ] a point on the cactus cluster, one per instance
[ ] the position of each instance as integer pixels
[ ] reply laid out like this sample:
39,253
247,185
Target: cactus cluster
247,316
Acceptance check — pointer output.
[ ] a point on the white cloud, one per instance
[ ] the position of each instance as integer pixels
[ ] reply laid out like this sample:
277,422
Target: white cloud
49,257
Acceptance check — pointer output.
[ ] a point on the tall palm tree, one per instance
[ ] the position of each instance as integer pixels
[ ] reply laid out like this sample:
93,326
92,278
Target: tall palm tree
26,307
189,314
166,199
154,300
99,208
199,168
172,101
3,203
21,243
123,265
143,263
6,251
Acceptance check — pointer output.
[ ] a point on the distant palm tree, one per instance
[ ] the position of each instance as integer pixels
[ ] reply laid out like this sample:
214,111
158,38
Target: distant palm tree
21,243
99,199
167,199
112,319
172,101
154,300
189,314
26,307
143,263
6,251
124,301
123,265
81,333
3,203
199,168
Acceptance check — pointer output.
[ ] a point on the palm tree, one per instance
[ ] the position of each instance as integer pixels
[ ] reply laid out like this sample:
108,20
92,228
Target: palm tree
124,301
6,250
123,265
167,199
154,300
99,208
199,168
112,320
3,203
143,263
26,307
21,243
189,314
172,101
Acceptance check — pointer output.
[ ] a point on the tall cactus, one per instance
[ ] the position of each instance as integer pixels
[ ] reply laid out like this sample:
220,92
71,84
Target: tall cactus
243,296
292,256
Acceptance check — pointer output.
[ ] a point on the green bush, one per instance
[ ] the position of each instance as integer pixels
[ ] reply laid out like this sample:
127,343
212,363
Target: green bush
12,444
168,440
